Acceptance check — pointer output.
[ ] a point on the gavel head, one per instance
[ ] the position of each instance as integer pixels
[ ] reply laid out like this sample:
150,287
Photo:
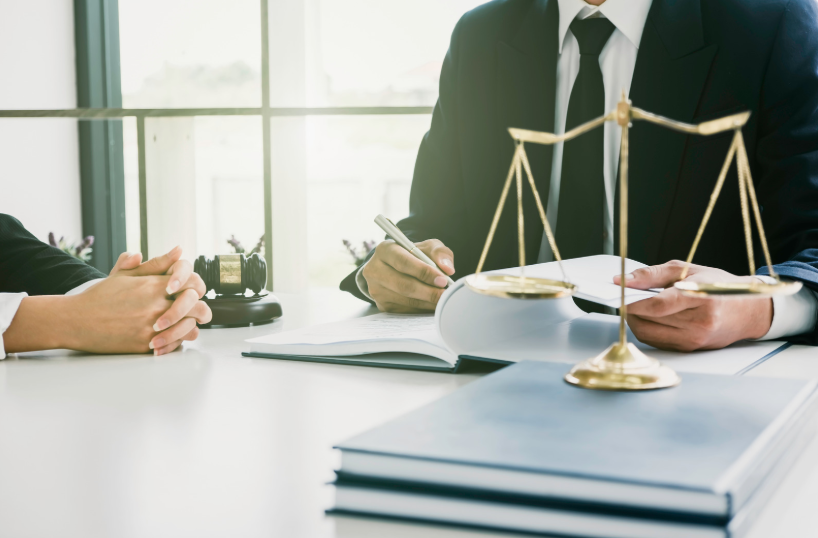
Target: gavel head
232,274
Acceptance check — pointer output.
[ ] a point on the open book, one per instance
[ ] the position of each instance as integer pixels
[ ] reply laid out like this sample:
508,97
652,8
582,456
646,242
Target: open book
468,328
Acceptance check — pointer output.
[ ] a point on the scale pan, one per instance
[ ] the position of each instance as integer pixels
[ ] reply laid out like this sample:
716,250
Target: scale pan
737,290
518,287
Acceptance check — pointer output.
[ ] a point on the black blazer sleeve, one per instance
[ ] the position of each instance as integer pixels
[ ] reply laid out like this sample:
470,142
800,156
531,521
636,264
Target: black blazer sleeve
350,284
436,201
787,151
437,198
29,265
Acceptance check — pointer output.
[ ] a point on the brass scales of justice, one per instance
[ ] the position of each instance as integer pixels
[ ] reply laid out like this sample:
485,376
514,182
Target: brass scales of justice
623,366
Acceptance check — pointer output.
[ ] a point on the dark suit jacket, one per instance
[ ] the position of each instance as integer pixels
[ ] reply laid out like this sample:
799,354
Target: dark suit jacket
698,60
27,264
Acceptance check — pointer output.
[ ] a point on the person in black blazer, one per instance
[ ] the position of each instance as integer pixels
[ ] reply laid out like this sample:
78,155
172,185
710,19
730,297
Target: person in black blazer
50,300
697,60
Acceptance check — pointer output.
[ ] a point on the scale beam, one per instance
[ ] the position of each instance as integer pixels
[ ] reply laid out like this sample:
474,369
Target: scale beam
736,121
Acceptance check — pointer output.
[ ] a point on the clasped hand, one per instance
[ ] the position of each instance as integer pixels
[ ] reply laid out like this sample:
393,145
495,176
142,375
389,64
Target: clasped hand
674,321
142,306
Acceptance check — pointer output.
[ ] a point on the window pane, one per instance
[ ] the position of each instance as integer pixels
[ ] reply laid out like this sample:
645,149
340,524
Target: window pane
39,176
190,53
357,167
222,172
376,53
229,183
39,169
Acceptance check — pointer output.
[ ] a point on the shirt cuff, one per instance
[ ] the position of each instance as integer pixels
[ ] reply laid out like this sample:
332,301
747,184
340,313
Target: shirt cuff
792,314
82,287
9,303
363,286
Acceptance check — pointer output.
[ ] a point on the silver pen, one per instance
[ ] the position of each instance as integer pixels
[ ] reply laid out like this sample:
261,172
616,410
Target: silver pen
394,232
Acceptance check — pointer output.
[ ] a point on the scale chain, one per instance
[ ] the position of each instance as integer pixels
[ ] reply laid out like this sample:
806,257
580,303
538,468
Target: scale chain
499,210
745,210
548,233
714,196
520,219
748,181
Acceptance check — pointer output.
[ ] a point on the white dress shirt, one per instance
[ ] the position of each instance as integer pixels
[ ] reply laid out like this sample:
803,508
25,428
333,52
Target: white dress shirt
793,314
617,61
10,302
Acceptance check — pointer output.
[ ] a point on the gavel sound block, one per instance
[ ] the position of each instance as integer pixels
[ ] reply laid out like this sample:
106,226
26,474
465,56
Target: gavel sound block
235,290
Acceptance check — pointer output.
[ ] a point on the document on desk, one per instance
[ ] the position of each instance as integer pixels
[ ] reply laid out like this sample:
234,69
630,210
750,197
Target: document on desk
469,328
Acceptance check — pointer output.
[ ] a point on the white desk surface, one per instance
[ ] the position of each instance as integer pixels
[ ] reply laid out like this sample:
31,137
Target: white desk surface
207,443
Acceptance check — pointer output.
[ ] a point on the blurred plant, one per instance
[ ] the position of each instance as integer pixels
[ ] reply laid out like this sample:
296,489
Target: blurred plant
236,244
238,248
81,251
359,255
259,248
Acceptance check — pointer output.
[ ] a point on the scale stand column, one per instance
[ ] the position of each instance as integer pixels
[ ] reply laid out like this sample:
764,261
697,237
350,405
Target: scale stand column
622,366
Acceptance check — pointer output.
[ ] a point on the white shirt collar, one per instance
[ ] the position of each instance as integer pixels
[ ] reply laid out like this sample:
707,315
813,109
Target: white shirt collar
629,16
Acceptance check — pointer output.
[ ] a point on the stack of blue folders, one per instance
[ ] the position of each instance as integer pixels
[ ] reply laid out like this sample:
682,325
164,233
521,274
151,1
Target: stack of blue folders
521,450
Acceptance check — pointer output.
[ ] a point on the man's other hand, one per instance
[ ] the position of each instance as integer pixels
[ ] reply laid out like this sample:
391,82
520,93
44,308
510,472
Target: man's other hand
178,322
673,321
399,282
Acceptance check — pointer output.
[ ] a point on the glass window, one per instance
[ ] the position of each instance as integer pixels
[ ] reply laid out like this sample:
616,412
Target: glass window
226,168
357,167
39,72
376,53
197,54
331,174
229,183
190,53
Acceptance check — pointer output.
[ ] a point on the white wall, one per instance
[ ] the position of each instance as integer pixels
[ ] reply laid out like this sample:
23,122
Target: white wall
39,158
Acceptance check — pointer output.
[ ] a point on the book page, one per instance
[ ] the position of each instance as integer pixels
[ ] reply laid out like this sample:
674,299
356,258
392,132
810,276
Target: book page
379,333
468,320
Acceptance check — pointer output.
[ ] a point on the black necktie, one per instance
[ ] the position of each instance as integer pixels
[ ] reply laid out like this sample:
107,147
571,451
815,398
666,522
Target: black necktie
580,225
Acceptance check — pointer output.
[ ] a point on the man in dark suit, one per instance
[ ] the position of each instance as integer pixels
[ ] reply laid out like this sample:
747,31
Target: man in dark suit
548,65
50,300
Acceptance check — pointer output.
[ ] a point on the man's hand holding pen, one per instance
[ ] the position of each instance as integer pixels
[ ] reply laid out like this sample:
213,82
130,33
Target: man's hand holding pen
400,282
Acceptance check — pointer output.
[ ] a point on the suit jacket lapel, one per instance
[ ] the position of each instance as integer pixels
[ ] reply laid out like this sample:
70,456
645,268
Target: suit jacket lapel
671,69
526,81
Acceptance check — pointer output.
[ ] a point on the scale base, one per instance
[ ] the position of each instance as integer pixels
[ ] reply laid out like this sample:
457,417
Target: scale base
519,287
622,367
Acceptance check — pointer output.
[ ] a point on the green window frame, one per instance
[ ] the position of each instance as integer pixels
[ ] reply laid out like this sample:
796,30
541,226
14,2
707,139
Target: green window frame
102,169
